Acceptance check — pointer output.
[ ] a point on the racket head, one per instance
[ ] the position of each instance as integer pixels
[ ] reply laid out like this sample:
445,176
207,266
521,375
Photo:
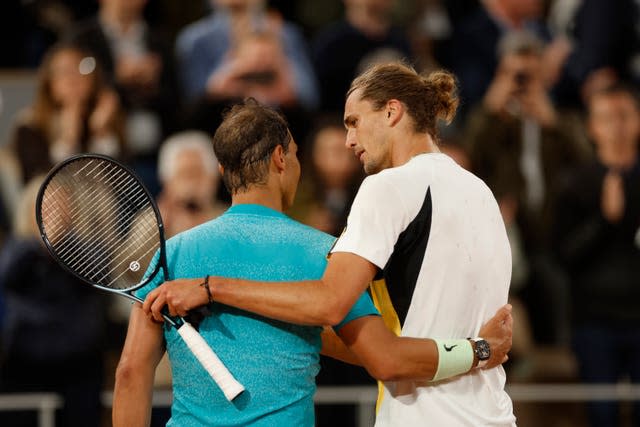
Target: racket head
100,223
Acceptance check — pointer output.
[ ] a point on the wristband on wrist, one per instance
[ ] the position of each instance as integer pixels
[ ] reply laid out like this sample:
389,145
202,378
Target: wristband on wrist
205,285
455,357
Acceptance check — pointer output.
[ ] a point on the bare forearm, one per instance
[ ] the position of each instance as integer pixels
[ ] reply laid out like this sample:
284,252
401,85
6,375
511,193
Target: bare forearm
133,390
390,357
132,397
409,359
386,356
304,303
315,302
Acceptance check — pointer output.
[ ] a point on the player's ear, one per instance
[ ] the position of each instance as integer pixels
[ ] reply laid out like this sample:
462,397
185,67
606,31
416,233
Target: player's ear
394,111
221,169
277,157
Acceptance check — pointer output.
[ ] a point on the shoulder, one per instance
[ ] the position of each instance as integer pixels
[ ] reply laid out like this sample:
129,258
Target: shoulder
310,234
382,185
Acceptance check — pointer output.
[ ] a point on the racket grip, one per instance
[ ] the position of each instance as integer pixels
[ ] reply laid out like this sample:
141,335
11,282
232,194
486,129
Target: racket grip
213,365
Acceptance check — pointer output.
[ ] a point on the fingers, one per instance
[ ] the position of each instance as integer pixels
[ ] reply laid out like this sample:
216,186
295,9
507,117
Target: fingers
504,312
151,296
508,326
156,307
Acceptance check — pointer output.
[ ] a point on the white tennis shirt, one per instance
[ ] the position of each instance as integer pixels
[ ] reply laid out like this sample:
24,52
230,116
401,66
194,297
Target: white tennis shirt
435,231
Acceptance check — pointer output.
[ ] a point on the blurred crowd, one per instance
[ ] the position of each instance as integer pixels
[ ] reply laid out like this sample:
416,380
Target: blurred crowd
549,119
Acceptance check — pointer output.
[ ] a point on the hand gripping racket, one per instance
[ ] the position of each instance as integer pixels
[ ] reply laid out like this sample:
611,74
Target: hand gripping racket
100,223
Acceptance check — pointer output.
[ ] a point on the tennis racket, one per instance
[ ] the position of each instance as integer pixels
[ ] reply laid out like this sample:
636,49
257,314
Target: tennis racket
100,223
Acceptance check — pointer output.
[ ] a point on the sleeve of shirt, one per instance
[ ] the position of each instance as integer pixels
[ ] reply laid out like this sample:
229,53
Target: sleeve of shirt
377,217
363,307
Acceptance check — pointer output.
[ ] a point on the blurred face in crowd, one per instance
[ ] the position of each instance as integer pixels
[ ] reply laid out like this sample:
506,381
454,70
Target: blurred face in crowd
614,123
523,70
335,164
188,196
71,77
366,134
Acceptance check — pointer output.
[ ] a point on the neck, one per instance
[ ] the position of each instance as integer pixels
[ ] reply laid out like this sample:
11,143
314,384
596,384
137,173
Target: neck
407,149
259,195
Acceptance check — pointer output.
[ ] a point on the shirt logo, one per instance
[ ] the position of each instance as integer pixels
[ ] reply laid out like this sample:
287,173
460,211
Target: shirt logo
449,348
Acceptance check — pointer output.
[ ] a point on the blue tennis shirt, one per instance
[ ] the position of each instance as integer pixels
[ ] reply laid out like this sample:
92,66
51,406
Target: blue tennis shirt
277,362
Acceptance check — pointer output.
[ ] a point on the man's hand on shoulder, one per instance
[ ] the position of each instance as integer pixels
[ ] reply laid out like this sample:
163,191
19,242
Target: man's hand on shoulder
179,296
498,332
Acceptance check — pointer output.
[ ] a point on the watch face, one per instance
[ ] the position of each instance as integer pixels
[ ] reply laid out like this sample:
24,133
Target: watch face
483,351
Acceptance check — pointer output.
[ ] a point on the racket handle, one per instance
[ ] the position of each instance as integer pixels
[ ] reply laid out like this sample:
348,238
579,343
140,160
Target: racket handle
213,365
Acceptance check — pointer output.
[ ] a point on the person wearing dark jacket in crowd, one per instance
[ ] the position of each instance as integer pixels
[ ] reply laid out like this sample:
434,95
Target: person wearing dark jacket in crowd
598,239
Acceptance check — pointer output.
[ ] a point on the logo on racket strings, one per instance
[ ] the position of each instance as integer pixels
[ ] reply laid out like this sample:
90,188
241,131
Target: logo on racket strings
134,266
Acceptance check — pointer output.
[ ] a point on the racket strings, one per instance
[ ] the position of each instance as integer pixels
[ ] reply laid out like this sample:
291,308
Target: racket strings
100,222
83,225
100,275
78,215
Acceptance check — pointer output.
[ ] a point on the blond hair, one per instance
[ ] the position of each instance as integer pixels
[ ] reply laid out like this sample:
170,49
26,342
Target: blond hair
427,98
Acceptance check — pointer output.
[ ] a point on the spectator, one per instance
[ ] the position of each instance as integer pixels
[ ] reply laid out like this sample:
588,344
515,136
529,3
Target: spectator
594,43
73,112
520,144
203,51
598,239
138,63
255,66
188,171
471,51
53,329
339,49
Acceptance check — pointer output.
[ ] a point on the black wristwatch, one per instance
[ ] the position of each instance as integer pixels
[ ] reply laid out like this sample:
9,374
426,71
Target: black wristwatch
482,351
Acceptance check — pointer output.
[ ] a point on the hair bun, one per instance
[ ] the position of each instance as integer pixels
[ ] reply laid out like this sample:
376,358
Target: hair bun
445,90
